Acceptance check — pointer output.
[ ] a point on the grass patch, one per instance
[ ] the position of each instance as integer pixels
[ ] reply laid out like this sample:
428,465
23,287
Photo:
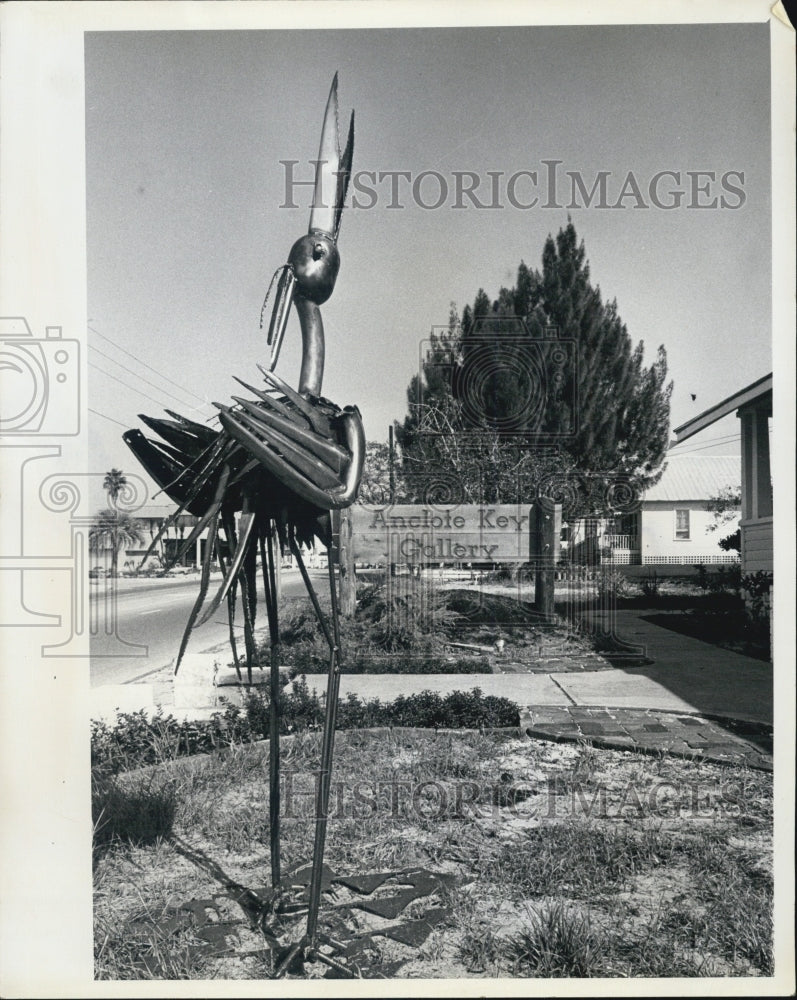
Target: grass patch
142,814
558,942
548,884
143,951
579,859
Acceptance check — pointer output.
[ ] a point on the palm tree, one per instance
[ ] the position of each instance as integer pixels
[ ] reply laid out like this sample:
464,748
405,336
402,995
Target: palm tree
113,484
116,527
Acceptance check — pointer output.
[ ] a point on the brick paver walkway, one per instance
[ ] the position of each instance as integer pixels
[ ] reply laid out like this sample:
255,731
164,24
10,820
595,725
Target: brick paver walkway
725,741
727,697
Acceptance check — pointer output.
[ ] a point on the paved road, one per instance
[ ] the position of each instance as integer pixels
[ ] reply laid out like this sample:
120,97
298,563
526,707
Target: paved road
149,626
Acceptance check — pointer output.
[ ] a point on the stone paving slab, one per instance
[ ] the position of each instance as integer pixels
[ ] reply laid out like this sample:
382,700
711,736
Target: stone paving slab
648,731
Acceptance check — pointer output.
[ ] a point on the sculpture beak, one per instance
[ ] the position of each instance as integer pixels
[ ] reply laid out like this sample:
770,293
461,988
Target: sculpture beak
333,170
280,313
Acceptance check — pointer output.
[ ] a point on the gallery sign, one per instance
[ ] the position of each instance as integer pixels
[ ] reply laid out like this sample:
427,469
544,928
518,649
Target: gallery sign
456,533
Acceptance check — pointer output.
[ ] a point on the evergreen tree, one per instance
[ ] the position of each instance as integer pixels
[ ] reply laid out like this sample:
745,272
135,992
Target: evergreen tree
378,486
544,378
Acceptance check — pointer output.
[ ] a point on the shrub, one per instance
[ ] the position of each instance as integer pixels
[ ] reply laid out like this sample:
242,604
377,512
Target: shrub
758,586
367,662
135,741
488,609
726,581
402,620
728,578
612,583
732,542
300,626
458,710
650,585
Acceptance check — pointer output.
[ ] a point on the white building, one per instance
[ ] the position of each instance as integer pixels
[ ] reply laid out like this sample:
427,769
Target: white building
151,518
672,525
675,520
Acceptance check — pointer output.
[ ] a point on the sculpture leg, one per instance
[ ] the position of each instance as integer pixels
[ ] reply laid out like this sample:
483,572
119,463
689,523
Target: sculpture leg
327,748
328,739
267,556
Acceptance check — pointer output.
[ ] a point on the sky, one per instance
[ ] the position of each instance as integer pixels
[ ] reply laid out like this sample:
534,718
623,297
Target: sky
187,216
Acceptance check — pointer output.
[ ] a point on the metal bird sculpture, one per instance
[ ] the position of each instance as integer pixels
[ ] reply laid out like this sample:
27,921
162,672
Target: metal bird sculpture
270,477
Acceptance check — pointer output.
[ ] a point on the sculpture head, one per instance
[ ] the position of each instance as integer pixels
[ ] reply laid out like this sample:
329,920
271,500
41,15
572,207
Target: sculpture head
315,262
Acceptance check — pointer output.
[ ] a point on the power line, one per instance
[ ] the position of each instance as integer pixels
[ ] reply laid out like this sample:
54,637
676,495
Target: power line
726,437
703,447
125,384
144,363
106,417
130,371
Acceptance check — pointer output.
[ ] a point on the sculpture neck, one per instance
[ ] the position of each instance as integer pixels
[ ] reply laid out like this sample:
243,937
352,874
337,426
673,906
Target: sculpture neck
312,372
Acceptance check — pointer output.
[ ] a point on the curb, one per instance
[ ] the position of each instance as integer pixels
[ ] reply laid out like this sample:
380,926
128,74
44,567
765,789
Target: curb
619,743
765,727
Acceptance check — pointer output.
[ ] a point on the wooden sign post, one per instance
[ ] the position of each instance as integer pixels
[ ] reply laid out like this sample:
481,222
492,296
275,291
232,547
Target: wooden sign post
545,545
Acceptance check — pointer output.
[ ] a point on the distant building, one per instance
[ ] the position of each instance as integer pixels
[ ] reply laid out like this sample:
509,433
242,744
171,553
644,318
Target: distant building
152,517
673,522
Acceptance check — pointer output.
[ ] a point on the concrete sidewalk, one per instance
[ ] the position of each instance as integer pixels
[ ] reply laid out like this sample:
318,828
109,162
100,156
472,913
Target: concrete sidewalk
694,699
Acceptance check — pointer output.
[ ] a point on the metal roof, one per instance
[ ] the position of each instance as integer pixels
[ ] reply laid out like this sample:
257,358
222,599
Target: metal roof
696,477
